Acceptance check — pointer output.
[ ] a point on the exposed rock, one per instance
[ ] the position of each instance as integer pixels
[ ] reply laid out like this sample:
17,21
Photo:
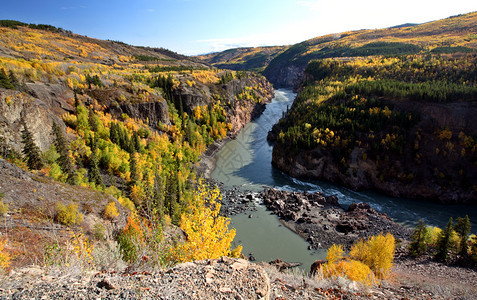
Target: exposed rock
322,221
283,265
38,113
224,278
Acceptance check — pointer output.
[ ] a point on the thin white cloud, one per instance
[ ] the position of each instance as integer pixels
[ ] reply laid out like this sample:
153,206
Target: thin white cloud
151,10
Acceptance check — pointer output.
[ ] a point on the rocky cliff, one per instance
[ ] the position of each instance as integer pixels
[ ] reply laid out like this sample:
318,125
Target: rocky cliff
385,132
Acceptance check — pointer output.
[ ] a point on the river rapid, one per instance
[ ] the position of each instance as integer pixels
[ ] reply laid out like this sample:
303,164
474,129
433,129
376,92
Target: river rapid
246,162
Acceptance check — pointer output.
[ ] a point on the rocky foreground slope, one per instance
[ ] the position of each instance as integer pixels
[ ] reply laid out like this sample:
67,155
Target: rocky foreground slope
227,278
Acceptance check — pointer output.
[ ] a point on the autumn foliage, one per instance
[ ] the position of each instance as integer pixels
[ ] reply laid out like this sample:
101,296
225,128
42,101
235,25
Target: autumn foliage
208,235
368,261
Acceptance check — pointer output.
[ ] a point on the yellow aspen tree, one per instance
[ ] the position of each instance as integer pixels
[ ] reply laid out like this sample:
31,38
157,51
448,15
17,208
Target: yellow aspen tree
208,233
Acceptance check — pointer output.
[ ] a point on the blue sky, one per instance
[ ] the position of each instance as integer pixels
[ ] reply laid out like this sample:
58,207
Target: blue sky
202,26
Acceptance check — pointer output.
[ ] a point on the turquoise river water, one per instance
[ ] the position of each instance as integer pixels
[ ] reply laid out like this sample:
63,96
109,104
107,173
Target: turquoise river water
246,162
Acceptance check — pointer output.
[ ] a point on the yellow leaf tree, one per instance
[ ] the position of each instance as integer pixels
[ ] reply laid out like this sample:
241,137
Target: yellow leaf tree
208,234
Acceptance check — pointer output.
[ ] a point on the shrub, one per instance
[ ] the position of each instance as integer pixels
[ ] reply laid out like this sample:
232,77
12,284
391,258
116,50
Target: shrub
5,257
3,206
68,215
132,238
354,270
335,253
377,253
99,232
111,211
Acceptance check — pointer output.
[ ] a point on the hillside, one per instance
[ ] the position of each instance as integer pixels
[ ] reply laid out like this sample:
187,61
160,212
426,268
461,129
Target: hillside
249,59
18,40
284,68
403,126
126,123
454,34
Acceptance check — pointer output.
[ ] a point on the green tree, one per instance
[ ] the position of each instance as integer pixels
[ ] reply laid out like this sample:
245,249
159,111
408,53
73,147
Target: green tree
133,169
444,242
30,149
419,239
463,227
94,175
93,120
5,80
64,160
77,103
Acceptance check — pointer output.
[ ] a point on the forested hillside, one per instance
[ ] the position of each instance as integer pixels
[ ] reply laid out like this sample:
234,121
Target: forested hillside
126,121
403,125
454,34
250,59
285,65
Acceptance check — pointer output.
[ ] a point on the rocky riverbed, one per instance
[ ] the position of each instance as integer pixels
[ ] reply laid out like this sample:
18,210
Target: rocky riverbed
322,221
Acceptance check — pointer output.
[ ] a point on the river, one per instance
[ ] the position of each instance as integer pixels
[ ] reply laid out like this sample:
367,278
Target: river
246,162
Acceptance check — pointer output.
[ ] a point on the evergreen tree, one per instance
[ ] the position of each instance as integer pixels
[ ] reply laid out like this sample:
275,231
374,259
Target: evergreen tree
13,79
94,175
64,160
92,120
77,103
444,242
136,141
113,133
5,80
418,239
463,227
30,149
133,169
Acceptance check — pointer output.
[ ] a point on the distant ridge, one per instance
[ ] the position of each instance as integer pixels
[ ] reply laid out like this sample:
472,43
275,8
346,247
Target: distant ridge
405,25
285,65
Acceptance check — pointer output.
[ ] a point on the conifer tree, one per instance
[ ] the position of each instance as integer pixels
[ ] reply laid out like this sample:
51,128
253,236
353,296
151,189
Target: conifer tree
92,120
64,160
136,141
13,79
5,80
94,175
30,149
77,103
444,242
418,238
113,133
463,227
133,169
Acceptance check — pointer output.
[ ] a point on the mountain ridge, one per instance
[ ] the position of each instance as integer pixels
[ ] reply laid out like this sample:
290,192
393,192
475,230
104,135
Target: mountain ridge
286,67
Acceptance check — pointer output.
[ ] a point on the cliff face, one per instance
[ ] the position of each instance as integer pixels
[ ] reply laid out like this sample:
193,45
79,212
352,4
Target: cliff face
244,110
427,180
285,74
239,110
404,127
39,106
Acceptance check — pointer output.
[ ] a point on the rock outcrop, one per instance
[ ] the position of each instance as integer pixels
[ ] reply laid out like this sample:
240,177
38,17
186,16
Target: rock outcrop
38,107
224,278
323,222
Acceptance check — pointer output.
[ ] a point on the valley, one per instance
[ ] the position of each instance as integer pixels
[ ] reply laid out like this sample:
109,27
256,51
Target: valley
352,149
